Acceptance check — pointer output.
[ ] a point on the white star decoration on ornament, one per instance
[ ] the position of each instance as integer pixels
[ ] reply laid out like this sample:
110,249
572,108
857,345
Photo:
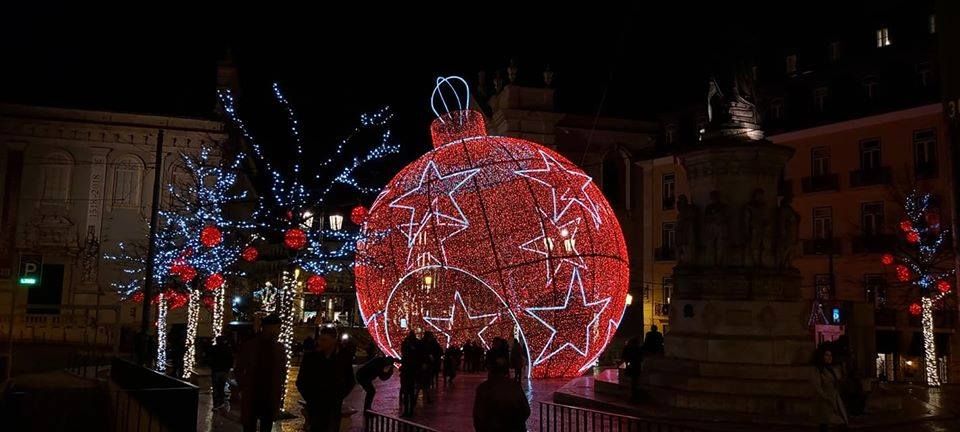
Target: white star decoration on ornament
567,197
422,213
569,309
459,320
558,245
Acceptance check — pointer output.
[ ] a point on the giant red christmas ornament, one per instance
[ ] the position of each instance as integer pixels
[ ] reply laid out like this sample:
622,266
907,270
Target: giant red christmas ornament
358,215
295,239
486,237
316,284
210,236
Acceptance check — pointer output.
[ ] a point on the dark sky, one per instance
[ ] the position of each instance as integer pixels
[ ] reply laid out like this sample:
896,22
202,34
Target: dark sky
336,62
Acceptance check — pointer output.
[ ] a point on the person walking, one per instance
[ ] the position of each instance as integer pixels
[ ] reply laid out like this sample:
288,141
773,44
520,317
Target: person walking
409,369
377,367
451,362
633,360
500,404
260,372
518,359
430,353
221,361
324,380
653,341
828,408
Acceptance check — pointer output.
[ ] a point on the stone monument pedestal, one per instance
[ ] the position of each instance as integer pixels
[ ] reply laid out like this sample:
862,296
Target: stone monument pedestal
738,339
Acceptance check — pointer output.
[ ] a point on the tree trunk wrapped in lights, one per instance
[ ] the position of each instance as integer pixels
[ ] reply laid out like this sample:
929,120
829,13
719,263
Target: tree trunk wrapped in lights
923,261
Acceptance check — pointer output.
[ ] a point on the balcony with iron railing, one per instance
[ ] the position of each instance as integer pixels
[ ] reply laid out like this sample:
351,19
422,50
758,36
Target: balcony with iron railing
873,243
665,254
820,183
870,177
822,246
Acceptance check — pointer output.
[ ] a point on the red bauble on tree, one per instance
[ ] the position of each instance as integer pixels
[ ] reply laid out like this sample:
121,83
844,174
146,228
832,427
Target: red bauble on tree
943,286
316,284
137,297
887,259
187,273
208,302
906,226
210,236
913,237
295,239
903,273
213,282
915,309
358,215
250,254
484,235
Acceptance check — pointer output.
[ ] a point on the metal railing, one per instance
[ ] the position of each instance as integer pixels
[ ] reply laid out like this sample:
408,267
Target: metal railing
565,418
376,422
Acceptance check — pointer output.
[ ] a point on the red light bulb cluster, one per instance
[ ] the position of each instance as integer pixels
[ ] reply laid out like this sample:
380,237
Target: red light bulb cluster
358,215
316,284
250,254
294,239
214,282
211,236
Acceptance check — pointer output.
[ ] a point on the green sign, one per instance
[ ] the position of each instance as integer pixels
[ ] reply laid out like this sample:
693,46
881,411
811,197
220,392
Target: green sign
31,269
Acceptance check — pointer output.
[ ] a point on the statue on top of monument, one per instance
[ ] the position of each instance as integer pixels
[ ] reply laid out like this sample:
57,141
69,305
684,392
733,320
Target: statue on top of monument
731,101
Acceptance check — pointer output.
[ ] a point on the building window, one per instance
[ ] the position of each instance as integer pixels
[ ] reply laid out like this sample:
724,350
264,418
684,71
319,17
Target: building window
667,289
614,179
776,109
932,23
870,154
670,134
668,235
883,37
820,98
871,87
669,191
56,178
923,74
875,289
925,153
791,63
820,161
127,182
834,51
823,286
822,223
871,218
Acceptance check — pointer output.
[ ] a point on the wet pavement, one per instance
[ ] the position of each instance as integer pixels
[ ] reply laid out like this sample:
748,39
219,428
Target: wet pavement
453,405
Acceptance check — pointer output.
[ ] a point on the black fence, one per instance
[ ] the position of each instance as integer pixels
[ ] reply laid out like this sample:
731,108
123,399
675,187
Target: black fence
565,418
376,422
121,397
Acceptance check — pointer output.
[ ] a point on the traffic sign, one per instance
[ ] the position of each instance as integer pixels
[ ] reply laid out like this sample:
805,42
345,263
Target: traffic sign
31,269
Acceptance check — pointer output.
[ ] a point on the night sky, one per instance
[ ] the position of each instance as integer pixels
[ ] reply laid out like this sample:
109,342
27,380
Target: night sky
336,62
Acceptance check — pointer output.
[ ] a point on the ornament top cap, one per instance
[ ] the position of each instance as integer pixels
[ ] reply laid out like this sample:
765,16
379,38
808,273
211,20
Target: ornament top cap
455,121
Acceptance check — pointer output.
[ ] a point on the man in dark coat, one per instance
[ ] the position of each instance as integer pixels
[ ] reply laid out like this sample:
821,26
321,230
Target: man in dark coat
500,404
653,341
221,360
377,367
451,361
260,372
410,364
325,379
518,359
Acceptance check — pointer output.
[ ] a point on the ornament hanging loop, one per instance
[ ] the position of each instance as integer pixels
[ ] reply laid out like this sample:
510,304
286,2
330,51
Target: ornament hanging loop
450,86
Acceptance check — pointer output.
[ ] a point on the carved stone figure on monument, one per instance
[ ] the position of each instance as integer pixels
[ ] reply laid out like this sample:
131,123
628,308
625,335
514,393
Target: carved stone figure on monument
788,225
687,238
716,230
756,229
89,257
